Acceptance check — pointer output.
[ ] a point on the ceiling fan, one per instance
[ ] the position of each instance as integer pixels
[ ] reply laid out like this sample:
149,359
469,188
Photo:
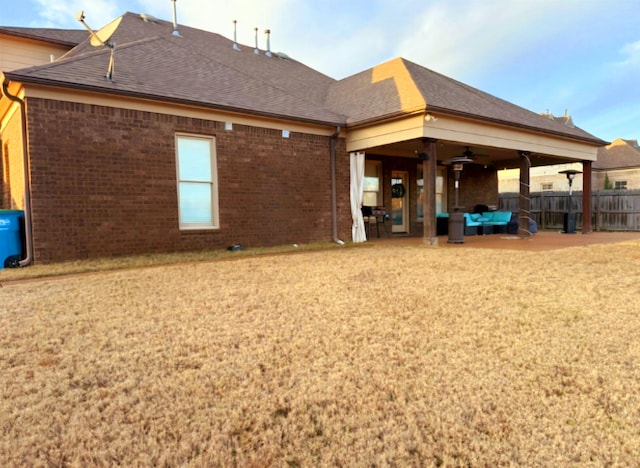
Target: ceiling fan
471,155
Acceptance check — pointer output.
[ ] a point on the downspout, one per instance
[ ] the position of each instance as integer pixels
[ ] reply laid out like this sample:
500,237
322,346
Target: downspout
27,184
334,202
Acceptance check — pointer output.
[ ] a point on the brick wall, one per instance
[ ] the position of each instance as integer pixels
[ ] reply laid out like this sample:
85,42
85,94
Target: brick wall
104,183
478,186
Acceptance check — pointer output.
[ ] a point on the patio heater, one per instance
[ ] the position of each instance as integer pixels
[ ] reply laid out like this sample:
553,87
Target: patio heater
456,216
569,224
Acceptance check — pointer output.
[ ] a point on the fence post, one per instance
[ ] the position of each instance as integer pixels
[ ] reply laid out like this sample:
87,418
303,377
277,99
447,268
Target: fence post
597,207
542,226
586,197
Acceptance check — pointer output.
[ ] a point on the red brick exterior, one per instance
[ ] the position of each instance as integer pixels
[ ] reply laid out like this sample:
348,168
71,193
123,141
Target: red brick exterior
478,186
103,183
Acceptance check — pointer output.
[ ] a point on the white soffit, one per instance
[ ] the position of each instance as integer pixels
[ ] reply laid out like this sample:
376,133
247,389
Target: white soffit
470,132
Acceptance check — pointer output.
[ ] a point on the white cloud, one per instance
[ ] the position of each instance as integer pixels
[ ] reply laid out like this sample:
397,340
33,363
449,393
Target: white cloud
61,13
632,55
217,16
459,38
325,35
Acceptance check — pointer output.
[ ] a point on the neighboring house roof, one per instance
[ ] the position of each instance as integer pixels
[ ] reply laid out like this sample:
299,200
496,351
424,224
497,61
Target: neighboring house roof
202,68
565,119
65,37
620,154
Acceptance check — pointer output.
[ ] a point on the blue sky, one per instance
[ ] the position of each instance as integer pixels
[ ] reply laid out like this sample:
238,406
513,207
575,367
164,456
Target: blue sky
544,55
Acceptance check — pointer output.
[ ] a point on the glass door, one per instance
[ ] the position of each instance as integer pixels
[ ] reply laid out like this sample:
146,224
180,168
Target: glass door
399,201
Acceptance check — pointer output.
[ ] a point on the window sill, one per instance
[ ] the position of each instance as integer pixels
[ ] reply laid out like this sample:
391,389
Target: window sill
198,228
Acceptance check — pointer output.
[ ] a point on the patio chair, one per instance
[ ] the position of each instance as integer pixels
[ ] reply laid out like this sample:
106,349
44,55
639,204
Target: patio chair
375,215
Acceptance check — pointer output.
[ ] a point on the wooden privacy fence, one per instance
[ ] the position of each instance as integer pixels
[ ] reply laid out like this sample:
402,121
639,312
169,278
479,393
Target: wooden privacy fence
612,210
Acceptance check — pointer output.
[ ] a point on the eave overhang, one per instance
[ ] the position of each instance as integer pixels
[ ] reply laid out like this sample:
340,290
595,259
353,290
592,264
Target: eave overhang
37,38
448,112
464,129
167,99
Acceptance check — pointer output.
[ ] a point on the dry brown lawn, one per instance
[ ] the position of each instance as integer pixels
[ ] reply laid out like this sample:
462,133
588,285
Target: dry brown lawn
381,356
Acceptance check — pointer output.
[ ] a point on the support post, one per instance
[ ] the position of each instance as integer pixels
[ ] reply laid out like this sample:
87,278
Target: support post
586,197
524,215
429,173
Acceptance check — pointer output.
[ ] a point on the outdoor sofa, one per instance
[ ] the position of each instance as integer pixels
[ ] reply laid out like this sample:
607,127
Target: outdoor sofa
488,222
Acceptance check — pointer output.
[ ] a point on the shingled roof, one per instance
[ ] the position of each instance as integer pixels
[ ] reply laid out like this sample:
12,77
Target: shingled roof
65,37
202,68
402,86
620,154
199,68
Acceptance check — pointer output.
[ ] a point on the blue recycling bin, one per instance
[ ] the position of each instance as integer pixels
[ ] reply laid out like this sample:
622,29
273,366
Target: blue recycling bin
10,237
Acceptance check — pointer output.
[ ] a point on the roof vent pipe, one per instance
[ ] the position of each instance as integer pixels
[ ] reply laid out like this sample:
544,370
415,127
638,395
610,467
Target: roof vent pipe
175,20
268,33
235,35
256,50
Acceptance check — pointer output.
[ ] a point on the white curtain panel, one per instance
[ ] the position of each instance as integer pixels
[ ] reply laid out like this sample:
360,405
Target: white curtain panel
358,233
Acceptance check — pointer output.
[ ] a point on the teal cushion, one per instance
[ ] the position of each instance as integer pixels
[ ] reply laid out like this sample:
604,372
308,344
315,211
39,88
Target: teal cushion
469,221
475,216
501,216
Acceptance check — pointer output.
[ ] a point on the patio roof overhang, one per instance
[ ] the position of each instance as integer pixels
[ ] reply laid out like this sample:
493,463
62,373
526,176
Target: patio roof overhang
493,143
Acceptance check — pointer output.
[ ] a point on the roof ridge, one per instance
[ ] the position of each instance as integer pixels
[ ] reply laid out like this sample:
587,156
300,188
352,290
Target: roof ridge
560,121
71,55
411,96
211,59
467,87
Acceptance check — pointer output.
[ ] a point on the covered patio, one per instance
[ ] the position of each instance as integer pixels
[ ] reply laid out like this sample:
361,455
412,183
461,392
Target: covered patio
428,145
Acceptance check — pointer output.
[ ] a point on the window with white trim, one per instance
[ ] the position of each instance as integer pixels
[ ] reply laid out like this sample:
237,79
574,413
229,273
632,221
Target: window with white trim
197,182
372,195
620,185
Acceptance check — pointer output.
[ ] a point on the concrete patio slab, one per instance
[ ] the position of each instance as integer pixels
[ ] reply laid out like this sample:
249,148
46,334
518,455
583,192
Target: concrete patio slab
541,241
